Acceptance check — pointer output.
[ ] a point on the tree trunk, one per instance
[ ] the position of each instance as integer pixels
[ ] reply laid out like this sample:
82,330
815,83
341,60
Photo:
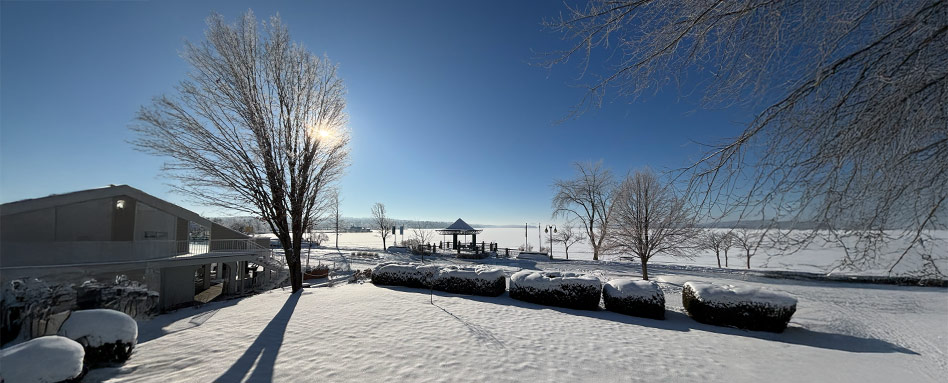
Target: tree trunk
383,244
718,254
296,271
644,269
725,257
748,259
567,253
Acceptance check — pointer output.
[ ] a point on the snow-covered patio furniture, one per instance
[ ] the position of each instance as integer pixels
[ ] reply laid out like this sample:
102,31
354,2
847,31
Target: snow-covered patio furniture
634,297
570,290
108,336
44,359
746,307
472,281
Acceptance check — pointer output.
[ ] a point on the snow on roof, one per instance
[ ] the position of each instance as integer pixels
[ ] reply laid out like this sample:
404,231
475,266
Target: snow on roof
459,226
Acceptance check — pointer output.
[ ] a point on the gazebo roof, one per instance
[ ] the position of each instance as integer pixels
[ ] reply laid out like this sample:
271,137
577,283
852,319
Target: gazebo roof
459,227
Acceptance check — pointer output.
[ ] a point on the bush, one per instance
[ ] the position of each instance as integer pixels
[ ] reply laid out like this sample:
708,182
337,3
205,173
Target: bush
44,359
634,297
108,336
402,274
472,281
360,275
743,307
556,289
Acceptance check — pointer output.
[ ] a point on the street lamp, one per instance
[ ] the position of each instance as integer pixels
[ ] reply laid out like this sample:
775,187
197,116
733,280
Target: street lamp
551,229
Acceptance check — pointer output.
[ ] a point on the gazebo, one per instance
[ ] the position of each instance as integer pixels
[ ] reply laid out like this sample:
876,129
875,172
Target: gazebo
460,227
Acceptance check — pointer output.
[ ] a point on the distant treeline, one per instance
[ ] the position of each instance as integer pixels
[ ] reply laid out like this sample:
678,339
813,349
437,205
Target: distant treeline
251,224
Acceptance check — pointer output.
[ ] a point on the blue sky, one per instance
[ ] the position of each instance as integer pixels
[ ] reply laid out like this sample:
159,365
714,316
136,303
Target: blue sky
448,117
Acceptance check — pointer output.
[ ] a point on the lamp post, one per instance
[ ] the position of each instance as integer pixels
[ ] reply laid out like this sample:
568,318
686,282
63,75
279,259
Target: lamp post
551,229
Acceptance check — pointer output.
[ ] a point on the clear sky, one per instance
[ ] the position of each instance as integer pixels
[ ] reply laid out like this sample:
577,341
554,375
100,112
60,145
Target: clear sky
449,118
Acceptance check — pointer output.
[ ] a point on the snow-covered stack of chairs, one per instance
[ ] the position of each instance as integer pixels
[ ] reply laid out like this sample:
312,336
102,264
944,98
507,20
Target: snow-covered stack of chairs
746,307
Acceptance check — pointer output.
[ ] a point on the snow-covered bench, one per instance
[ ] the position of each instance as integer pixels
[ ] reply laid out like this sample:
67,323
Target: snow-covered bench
44,359
556,289
108,336
746,307
634,297
473,281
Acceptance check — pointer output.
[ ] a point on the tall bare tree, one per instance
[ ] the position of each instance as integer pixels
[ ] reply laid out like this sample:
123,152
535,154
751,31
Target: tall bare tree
258,126
651,219
851,131
336,214
588,198
568,236
381,222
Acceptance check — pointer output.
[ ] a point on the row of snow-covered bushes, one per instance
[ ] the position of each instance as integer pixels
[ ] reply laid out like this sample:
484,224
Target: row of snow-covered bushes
725,305
452,279
86,339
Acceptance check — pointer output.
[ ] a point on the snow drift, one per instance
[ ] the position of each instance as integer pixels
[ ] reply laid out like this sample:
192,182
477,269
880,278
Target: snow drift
746,307
634,297
570,290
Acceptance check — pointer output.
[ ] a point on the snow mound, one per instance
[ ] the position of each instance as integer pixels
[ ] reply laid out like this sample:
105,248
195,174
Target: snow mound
44,359
556,289
473,281
751,308
634,297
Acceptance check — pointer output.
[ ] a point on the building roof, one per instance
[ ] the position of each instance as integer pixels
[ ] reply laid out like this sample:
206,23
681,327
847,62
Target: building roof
99,193
459,227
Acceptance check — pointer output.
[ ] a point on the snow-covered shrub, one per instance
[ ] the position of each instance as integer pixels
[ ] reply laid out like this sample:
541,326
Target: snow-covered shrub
634,297
533,256
108,336
122,294
27,305
359,275
556,289
746,307
44,359
401,274
472,281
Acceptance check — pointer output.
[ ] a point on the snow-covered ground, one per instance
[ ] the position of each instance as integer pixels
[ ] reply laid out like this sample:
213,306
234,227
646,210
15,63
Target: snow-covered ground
820,257
841,332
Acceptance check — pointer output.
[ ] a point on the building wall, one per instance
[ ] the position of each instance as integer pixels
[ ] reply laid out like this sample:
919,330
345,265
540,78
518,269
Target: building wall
33,226
85,221
177,286
152,224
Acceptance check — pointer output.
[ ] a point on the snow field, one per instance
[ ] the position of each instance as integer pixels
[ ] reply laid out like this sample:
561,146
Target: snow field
361,332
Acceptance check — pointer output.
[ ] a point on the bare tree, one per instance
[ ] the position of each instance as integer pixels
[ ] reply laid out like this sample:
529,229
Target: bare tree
258,126
717,241
336,214
749,241
588,198
568,236
650,219
381,222
851,133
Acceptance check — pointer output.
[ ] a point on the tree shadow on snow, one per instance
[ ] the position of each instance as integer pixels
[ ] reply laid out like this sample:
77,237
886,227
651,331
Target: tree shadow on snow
165,324
263,350
677,321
